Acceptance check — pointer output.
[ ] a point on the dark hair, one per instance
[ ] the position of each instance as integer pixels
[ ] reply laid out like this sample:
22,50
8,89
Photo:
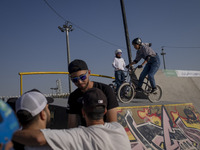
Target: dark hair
25,118
96,114
77,65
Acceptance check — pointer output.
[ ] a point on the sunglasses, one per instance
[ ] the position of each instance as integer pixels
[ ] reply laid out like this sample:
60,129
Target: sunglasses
81,77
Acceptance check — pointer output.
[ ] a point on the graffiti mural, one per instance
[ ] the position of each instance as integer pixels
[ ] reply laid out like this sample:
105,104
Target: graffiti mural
170,127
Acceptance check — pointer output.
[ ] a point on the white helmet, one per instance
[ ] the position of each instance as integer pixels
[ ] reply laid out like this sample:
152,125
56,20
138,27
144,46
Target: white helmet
118,51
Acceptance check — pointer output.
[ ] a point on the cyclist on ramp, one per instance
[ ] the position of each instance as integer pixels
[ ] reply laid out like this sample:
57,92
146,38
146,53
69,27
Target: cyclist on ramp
151,59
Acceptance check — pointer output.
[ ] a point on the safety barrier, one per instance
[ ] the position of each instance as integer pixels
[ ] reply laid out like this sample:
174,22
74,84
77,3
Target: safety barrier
36,73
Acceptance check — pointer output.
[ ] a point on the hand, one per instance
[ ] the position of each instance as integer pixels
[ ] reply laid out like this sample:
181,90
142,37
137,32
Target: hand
139,66
127,66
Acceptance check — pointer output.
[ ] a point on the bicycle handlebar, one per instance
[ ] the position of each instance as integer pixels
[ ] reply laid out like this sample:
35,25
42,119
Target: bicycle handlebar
131,68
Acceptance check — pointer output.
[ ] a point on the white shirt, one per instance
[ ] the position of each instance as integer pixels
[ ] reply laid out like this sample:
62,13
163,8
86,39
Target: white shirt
119,64
110,136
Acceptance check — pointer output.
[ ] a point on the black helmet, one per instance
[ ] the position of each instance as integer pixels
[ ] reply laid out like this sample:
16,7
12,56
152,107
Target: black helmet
137,41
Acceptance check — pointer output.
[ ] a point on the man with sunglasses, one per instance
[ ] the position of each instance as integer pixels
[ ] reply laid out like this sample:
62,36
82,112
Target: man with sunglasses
79,74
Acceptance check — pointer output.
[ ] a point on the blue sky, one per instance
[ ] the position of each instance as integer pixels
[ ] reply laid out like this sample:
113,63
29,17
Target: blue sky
31,41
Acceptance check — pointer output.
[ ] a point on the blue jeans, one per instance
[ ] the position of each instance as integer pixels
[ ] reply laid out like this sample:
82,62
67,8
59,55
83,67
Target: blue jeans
150,69
119,78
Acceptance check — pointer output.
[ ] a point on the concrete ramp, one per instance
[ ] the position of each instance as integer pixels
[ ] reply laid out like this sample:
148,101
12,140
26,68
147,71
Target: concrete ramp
177,88
171,126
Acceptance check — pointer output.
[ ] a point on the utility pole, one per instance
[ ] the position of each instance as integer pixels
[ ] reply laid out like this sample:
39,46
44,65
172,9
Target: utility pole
126,31
163,54
67,27
127,36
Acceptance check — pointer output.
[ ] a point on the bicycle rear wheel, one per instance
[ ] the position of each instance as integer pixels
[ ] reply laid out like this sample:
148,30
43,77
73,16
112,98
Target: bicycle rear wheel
155,97
126,92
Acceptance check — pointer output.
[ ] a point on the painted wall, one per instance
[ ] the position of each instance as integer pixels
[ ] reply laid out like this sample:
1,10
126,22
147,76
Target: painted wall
170,127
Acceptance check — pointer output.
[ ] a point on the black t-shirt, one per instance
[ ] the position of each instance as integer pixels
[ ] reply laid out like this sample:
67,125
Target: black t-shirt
75,100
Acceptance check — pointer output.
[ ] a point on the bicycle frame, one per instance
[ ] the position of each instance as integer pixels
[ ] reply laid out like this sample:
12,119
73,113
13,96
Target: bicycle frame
134,80
127,90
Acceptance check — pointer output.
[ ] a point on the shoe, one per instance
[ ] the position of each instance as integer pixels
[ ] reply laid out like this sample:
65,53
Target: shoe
139,89
154,90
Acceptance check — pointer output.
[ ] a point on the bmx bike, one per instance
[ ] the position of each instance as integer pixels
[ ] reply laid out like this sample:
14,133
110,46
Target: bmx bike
127,90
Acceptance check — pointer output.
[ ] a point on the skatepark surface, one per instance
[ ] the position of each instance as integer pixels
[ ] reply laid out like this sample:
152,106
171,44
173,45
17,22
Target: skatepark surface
171,123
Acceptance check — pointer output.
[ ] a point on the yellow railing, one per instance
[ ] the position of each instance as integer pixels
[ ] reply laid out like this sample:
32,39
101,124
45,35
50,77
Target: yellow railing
34,73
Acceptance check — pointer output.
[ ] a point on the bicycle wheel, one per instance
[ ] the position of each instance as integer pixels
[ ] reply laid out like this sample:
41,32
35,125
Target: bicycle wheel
155,97
126,93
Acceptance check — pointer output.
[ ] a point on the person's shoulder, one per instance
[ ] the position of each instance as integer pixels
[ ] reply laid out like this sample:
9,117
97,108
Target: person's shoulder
145,46
113,125
122,58
100,84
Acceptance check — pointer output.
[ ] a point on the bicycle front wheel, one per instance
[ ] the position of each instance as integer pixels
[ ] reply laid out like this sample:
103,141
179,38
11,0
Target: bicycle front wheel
155,97
126,92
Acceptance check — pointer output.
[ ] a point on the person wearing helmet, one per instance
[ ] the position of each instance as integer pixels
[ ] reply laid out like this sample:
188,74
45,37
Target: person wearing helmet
151,59
119,66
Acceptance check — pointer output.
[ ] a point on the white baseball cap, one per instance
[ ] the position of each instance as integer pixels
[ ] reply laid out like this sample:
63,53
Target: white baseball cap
32,101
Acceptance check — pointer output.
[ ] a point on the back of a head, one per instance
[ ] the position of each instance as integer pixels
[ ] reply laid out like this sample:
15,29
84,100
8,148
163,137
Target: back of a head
94,103
29,105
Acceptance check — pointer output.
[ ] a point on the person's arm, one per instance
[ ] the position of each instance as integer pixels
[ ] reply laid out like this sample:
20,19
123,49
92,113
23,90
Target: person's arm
30,137
114,64
111,115
72,121
135,61
144,62
132,63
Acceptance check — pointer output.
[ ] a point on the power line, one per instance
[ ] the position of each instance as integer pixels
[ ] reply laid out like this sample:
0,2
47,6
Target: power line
178,47
54,10
96,36
91,34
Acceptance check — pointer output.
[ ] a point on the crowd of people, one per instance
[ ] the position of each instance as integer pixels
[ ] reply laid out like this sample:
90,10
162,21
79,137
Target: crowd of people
92,110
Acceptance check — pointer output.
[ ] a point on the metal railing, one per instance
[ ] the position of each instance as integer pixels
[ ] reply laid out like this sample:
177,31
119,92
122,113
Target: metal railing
35,73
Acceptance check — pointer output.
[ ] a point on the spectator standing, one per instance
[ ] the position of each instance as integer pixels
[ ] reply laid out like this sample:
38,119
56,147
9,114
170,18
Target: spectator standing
33,112
80,74
119,66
